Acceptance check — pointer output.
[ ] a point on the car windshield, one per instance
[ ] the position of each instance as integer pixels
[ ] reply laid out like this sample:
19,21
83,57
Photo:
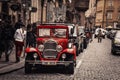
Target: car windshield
58,33
81,31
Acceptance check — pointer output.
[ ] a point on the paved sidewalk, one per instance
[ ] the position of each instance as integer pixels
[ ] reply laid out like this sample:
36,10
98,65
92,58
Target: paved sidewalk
7,67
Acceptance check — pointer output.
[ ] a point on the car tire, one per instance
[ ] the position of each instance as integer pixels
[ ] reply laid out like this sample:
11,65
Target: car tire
113,51
70,67
27,68
94,36
77,50
81,47
85,44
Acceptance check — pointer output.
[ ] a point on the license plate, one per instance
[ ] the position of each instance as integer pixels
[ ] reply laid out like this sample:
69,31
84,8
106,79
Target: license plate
48,63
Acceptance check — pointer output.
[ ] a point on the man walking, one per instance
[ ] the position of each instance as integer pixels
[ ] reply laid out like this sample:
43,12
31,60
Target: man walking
99,36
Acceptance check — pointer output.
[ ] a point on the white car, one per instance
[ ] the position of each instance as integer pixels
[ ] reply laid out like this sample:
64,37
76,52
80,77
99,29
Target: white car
104,32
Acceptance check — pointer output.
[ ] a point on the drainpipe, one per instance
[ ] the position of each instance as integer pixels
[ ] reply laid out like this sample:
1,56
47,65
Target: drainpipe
103,14
42,4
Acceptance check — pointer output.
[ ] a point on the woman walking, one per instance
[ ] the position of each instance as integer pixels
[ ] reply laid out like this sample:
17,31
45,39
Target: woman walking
19,36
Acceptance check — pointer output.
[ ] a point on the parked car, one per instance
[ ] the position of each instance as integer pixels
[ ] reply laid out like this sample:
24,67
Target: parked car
82,37
104,32
115,48
111,34
54,48
78,37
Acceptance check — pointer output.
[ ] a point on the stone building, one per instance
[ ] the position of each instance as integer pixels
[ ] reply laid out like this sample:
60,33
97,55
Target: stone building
49,11
70,11
90,14
108,13
78,8
5,11
15,10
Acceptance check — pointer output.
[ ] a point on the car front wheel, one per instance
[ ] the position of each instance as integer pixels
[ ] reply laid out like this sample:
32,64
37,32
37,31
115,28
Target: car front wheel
27,68
70,68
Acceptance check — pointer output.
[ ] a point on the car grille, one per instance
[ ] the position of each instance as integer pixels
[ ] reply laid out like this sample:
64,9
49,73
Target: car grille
50,49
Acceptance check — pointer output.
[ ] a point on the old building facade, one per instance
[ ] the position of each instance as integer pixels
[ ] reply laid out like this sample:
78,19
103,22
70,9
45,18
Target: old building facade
15,10
90,14
70,11
108,13
78,10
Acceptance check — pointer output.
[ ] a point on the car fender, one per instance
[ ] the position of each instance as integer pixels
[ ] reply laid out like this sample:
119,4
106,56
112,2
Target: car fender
70,51
31,49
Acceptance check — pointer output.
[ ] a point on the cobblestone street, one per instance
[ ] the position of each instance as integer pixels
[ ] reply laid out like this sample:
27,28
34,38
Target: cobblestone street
98,63
95,63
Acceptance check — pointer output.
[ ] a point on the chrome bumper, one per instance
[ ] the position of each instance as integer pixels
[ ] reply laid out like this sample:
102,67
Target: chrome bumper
47,63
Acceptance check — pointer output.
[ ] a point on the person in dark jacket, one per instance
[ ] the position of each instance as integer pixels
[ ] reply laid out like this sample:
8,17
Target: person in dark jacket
1,37
99,36
31,37
6,39
18,24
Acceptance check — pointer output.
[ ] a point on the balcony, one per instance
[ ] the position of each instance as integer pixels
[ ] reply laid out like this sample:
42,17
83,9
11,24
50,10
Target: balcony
81,5
110,8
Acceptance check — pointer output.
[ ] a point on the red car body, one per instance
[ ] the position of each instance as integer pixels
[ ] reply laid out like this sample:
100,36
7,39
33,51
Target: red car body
51,49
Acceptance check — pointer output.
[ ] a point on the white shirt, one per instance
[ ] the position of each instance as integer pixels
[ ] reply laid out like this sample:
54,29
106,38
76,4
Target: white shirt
20,35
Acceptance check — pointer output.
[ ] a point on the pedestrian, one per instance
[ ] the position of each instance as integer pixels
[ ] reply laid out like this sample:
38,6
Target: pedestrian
18,24
87,33
1,37
19,37
91,34
99,36
6,39
30,38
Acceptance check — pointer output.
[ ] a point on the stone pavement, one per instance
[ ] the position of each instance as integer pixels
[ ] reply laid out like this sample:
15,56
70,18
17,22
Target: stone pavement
7,67
98,63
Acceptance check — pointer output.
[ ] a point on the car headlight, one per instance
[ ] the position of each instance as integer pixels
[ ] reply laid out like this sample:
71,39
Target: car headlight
41,47
35,55
116,41
63,56
69,45
59,48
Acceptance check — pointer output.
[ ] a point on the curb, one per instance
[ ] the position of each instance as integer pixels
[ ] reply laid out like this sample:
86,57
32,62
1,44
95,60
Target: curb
12,68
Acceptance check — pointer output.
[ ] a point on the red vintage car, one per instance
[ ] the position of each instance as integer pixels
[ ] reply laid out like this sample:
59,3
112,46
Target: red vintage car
53,48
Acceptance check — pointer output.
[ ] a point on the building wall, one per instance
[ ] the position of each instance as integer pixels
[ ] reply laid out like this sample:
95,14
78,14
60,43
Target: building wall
81,6
36,16
8,13
90,14
0,6
99,12
107,13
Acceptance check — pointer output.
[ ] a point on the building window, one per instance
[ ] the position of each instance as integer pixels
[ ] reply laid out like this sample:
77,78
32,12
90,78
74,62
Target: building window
118,15
110,2
109,15
99,16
